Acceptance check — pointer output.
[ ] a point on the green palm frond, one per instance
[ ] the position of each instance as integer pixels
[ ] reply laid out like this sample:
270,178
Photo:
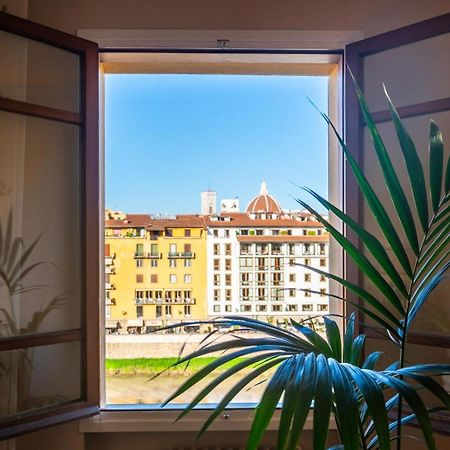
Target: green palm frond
330,372
341,384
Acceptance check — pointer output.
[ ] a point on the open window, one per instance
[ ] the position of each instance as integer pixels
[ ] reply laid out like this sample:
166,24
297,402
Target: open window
413,64
49,186
49,235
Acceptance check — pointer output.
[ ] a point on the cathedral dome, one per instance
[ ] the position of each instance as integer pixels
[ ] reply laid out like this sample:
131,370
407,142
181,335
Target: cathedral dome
263,203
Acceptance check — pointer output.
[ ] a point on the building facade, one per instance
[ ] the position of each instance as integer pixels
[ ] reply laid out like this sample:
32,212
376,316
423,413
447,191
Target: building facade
259,263
154,271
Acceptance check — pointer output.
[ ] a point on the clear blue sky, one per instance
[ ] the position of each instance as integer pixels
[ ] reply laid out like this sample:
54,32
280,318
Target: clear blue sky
168,137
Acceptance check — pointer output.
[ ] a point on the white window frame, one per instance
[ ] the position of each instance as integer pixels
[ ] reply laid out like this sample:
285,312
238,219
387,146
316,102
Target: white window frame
158,40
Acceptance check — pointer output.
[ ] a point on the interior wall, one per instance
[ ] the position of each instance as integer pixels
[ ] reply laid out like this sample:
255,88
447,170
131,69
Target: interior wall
371,17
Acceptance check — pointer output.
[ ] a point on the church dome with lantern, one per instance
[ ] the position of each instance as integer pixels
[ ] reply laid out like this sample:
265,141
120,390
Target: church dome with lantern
264,203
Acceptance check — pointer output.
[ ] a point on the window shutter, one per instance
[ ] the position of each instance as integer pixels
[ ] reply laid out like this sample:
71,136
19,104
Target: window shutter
49,212
414,65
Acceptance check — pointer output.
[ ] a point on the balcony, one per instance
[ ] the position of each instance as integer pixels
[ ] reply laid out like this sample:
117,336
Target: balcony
181,255
164,301
109,286
110,270
148,255
110,301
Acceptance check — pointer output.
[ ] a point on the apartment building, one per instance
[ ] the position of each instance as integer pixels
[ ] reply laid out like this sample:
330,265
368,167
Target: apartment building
259,262
154,271
190,267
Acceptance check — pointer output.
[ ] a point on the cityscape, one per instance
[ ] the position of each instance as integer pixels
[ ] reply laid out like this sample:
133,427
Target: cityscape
164,270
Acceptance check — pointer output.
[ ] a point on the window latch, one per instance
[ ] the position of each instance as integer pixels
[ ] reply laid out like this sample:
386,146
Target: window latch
223,43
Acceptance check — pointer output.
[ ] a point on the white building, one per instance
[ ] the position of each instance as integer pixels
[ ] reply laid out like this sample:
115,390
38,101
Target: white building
256,262
229,205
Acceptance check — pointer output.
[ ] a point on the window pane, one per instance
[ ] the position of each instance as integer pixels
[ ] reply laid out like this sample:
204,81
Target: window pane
38,73
407,81
39,178
433,316
37,377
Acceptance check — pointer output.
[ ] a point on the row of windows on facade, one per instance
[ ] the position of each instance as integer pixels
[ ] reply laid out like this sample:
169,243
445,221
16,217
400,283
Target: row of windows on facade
259,264
279,249
187,309
276,263
172,263
159,294
262,294
187,278
173,249
273,308
159,310
263,232
247,277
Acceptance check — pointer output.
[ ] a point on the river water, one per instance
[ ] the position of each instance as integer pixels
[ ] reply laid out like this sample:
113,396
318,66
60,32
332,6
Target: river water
140,389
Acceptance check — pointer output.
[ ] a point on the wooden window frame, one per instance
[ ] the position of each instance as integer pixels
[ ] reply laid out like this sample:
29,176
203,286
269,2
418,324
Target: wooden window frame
87,121
354,57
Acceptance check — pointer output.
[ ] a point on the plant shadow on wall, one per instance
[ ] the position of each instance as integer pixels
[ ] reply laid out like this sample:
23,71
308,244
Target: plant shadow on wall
16,367
370,404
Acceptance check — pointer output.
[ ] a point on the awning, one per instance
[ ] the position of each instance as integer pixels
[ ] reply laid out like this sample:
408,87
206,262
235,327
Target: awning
135,323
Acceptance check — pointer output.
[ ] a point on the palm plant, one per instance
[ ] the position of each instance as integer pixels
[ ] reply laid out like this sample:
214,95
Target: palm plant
330,372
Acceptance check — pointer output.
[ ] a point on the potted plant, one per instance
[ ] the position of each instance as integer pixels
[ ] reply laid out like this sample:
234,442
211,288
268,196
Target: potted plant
328,375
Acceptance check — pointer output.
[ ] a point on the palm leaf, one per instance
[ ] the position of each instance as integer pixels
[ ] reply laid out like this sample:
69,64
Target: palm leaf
369,298
436,164
375,247
322,403
395,189
360,260
347,413
289,402
268,403
306,382
373,396
413,165
234,391
373,202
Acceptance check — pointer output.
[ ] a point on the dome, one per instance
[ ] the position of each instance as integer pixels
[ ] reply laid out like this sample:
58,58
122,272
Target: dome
263,203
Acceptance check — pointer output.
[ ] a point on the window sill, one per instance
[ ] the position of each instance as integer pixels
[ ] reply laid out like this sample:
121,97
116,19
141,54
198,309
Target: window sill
138,418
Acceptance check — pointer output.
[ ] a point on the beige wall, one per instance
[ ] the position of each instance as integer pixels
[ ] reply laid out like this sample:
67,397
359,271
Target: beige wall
371,17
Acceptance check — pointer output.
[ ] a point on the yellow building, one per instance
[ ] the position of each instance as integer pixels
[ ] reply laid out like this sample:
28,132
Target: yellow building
155,271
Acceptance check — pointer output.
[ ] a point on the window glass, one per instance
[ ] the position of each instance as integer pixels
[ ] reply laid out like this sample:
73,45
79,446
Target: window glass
38,73
40,195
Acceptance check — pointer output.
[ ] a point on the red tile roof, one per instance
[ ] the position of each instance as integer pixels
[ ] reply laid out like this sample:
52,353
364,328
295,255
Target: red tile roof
243,220
197,221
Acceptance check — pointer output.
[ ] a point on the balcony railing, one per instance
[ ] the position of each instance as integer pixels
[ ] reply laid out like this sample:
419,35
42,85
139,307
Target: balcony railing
110,270
164,301
182,255
109,286
110,301
148,255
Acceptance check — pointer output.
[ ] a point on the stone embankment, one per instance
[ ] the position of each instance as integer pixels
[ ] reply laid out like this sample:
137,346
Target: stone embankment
129,346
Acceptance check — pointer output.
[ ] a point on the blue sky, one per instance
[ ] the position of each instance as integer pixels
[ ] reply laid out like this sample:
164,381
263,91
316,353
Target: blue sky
168,137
